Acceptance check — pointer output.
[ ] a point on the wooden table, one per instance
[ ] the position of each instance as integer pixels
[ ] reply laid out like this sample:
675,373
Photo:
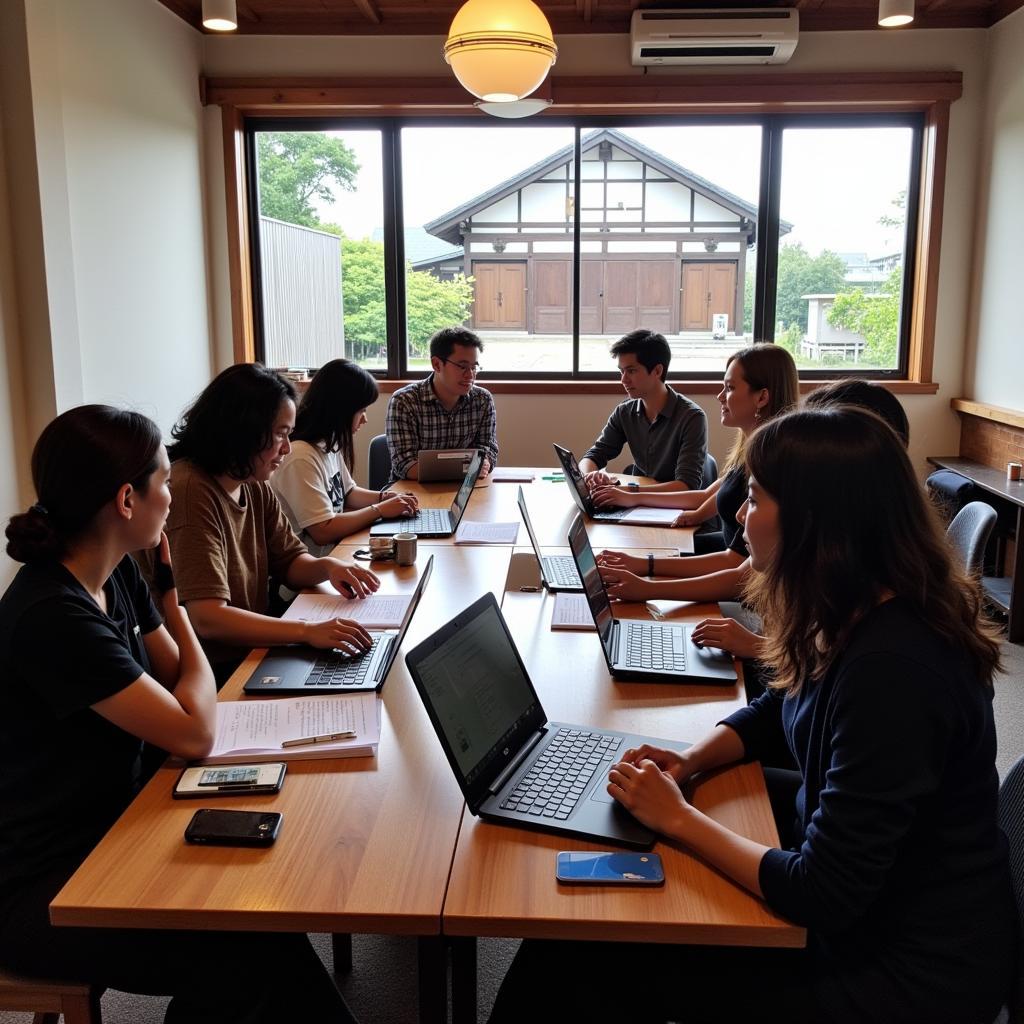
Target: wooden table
1007,593
503,879
366,843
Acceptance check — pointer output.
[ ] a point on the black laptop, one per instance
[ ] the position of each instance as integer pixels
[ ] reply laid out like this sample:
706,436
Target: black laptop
581,493
435,522
513,765
557,572
639,649
308,670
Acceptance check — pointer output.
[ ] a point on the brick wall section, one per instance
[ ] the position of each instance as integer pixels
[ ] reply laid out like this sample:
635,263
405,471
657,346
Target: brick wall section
994,444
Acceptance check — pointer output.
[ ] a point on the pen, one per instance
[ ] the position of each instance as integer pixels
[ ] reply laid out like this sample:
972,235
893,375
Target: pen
560,476
347,734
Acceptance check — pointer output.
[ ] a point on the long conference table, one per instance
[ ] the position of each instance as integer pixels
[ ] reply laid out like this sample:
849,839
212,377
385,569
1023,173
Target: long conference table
385,845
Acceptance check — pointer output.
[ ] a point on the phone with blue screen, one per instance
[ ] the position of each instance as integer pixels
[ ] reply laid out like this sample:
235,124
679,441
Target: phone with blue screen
588,867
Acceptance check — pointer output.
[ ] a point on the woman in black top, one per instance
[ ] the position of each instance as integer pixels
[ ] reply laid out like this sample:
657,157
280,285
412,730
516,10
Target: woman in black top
90,672
890,856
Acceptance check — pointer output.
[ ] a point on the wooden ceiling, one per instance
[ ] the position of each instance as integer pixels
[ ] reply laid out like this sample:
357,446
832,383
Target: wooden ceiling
413,17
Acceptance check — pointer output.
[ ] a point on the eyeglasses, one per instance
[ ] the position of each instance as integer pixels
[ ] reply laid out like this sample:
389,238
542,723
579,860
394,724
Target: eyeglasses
473,368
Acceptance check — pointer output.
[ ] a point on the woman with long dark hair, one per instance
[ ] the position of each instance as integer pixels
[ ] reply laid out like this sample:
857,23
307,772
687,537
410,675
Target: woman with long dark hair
91,671
314,482
890,853
228,534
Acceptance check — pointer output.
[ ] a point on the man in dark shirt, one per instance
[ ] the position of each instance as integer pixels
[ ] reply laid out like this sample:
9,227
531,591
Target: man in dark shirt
667,434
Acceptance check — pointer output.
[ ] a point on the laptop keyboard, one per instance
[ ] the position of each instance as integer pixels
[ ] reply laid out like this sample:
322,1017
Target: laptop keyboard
561,570
560,776
333,668
655,646
428,520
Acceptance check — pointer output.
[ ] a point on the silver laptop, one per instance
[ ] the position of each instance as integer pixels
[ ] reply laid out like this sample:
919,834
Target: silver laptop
557,572
444,463
435,522
307,670
513,765
641,650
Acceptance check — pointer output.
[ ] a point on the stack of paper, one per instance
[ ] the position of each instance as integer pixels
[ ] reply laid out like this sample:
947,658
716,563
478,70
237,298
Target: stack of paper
645,515
486,533
512,474
378,611
571,612
254,730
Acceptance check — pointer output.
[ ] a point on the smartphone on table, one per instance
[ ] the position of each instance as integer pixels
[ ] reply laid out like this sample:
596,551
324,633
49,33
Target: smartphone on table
589,867
233,828
229,780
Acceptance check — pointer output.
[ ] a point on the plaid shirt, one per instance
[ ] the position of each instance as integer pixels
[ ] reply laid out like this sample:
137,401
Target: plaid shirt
417,421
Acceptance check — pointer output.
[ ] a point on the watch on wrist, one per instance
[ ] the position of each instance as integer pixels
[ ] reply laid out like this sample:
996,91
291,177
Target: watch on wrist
650,563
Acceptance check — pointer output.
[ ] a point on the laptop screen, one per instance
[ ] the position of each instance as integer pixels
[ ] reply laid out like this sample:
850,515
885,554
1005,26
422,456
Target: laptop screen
468,483
477,692
529,527
573,475
586,566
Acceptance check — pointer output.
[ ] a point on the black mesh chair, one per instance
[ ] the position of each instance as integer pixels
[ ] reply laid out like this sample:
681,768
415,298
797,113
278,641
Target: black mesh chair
969,533
1011,821
378,459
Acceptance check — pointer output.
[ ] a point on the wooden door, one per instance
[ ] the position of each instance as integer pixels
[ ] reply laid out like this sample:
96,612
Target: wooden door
499,296
655,286
722,288
620,295
591,296
708,288
552,296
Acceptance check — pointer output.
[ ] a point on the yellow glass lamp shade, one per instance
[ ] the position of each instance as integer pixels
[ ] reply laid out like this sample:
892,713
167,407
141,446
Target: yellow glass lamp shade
500,50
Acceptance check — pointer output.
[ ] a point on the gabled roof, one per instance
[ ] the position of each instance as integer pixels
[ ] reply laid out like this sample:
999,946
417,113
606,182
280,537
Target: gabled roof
447,225
422,248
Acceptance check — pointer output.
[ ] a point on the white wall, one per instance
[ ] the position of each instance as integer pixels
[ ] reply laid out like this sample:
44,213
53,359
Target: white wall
934,427
994,372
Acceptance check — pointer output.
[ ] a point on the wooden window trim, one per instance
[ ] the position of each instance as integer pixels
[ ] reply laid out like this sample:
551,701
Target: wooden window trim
854,92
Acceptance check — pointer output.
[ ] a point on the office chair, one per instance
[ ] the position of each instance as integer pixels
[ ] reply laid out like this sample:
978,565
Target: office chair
969,533
378,460
1011,821
47,999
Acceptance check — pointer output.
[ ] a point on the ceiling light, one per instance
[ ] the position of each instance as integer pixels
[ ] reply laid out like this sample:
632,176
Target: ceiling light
892,13
220,15
514,108
500,51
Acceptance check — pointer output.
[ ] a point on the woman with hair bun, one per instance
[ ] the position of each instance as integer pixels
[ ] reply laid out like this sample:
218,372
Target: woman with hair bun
90,672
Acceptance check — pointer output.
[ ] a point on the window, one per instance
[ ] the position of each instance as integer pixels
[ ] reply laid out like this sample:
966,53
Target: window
551,239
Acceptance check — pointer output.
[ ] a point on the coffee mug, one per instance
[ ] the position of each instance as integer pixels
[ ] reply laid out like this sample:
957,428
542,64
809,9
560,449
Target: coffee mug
405,548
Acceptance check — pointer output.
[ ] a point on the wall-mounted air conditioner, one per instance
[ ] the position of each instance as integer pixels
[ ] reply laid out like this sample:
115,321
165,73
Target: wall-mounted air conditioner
757,36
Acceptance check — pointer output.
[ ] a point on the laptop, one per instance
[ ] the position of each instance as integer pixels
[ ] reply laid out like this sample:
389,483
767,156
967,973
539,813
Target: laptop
557,572
641,650
435,522
512,764
444,463
581,493
299,669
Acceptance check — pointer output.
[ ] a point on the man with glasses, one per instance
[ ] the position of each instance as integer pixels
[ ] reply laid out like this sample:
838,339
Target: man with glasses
446,410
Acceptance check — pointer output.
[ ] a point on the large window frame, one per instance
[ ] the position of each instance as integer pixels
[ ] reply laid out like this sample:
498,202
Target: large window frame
776,102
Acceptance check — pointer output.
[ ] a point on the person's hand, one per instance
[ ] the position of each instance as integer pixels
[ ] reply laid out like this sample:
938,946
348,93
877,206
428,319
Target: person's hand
619,560
346,635
352,580
651,795
623,585
728,635
605,494
670,761
396,506
598,478
163,572
485,469
688,518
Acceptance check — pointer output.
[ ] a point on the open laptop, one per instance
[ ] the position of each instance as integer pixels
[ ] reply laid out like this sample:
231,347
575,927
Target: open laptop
513,765
638,649
308,670
557,572
435,522
580,492
444,463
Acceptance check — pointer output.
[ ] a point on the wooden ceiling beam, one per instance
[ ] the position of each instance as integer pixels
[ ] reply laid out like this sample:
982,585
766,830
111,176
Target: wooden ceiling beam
368,9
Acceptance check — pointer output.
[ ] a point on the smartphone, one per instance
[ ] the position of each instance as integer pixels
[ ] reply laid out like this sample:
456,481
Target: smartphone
586,867
233,828
229,780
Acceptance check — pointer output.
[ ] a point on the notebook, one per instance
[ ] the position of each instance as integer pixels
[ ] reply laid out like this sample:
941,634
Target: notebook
444,463
435,522
310,671
512,764
557,572
638,649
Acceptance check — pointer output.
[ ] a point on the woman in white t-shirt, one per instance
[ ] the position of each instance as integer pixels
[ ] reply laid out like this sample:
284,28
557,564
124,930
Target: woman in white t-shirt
314,482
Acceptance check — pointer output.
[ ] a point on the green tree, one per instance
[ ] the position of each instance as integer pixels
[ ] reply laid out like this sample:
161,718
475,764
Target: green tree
802,274
430,303
875,317
297,167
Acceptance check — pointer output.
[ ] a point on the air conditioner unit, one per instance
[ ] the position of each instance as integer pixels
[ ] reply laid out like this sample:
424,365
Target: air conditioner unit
705,37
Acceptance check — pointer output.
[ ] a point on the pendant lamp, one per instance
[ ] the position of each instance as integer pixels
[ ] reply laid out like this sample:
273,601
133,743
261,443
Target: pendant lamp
892,13
220,15
500,50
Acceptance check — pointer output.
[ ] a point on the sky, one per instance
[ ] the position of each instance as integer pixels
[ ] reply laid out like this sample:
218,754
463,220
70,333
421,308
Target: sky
836,183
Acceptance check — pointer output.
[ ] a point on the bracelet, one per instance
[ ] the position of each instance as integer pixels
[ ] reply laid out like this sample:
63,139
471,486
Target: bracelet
650,563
